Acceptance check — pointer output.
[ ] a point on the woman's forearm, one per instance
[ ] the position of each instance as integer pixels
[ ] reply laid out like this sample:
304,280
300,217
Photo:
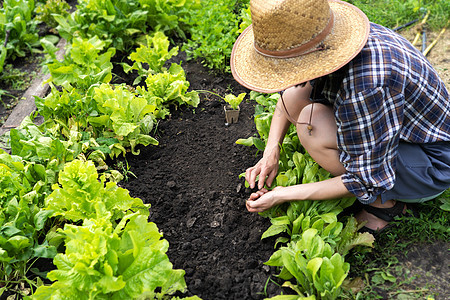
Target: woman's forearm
323,190
292,102
278,128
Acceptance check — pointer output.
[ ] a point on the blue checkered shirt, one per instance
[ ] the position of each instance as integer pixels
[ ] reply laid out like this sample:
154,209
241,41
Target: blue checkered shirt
388,93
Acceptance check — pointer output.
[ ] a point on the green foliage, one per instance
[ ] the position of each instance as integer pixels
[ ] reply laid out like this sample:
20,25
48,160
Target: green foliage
45,11
80,195
168,88
393,13
233,100
170,16
119,22
18,27
103,262
153,55
84,65
32,144
107,120
246,18
22,188
213,30
115,22
130,117
115,253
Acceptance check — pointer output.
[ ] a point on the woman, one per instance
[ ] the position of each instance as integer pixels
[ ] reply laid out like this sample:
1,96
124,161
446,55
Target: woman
368,107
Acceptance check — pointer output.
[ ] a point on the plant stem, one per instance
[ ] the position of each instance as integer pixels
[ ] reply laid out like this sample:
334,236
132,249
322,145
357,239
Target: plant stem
205,91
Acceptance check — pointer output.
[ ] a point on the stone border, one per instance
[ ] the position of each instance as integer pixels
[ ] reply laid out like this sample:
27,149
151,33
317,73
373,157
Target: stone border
26,105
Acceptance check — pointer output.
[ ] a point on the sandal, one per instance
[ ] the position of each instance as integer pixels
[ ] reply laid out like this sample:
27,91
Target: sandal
386,214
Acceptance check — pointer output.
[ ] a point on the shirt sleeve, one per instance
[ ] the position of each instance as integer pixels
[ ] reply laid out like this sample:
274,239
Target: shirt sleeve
369,124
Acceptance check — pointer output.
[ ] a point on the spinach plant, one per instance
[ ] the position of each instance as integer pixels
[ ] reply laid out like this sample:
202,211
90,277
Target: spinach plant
18,28
22,189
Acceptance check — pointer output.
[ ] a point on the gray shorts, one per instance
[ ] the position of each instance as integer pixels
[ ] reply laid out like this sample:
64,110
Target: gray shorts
422,172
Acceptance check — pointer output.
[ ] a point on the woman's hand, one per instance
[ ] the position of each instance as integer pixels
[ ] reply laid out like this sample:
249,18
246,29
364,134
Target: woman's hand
262,200
266,168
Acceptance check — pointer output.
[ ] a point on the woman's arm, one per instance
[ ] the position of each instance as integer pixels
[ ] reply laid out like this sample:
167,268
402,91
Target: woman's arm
332,188
295,99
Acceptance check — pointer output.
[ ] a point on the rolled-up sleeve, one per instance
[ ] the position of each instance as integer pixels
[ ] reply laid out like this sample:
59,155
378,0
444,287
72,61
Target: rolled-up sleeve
369,125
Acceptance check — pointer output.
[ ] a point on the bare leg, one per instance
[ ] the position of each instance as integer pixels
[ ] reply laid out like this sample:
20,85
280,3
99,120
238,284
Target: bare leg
321,144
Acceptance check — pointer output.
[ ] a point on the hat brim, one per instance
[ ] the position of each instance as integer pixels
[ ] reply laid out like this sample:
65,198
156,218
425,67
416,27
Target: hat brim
268,74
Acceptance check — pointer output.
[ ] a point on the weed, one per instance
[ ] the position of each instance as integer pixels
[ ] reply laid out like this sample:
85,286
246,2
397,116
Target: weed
124,169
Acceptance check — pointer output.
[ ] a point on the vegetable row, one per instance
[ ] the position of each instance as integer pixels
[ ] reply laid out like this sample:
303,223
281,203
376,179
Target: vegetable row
54,202
312,237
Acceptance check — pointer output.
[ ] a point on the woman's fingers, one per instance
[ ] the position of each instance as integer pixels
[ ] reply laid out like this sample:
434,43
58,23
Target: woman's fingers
271,177
253,205
250,175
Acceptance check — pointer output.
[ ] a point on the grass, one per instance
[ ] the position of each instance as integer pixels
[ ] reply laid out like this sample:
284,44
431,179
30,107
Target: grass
381,274
394,13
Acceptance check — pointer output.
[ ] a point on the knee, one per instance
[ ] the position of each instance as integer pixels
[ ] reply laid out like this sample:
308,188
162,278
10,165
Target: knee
317,128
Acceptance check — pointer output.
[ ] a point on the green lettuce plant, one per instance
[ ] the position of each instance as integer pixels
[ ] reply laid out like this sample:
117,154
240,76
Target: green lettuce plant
153,55
168,88
115,253
130,117
81,195
127,261
84,65
21,220
233,100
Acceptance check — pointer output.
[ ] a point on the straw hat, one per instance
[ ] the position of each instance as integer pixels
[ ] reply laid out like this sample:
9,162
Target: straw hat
294,41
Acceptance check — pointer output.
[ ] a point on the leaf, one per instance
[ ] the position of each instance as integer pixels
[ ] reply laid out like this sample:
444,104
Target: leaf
40,218
233,100
19,242
44,250
273,230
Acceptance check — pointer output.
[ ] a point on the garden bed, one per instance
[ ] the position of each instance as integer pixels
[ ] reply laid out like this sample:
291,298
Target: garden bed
191,179
198,201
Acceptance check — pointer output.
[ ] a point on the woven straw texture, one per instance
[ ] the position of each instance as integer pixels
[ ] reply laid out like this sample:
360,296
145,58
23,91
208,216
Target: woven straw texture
273,31
268,74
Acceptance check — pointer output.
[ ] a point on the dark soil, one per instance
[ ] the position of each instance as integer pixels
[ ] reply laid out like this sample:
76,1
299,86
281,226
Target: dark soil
198,200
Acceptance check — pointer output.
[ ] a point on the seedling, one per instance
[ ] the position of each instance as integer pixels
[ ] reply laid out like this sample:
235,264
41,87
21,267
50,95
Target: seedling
234,101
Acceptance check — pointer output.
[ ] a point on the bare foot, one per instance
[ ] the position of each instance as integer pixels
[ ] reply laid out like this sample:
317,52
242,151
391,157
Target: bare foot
373,222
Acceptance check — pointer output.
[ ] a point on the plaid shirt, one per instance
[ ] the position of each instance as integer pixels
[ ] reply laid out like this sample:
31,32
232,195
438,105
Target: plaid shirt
387,93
